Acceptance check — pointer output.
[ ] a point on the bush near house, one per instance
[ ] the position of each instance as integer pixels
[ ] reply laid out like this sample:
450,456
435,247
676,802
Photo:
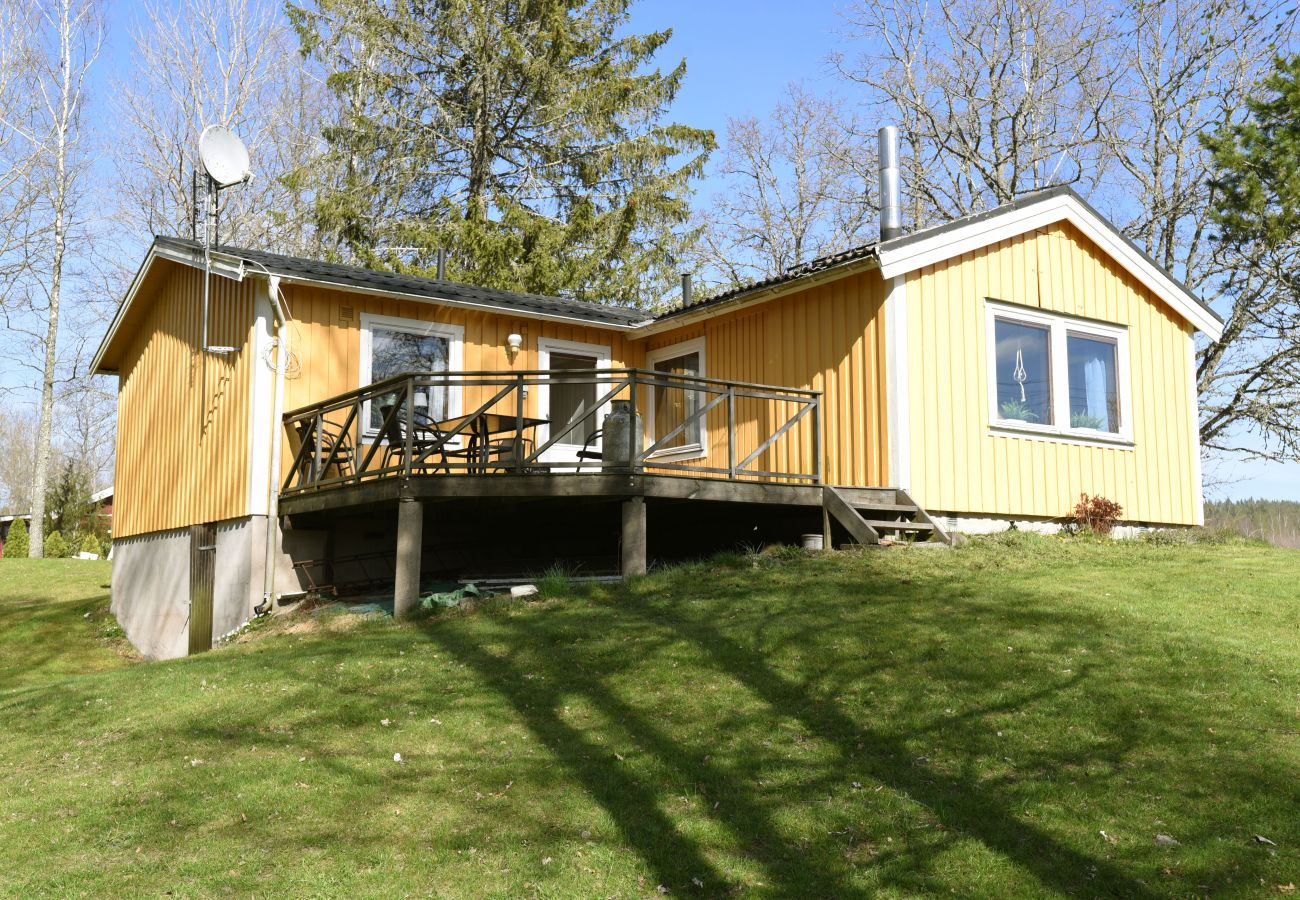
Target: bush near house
1097,514
55,546
985,721
17,545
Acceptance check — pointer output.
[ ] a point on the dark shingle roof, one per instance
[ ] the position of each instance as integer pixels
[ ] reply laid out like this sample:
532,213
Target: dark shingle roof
415,286
821,264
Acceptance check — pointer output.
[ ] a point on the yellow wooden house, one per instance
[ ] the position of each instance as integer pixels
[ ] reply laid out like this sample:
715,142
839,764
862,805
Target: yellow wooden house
352,427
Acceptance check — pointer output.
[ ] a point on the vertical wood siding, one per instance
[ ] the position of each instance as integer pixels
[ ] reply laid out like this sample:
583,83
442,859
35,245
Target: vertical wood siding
183,416
959,466
828,338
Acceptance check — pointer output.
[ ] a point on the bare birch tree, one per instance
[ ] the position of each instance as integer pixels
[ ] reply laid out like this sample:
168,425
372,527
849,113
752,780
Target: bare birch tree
71,35
223,62
798,186
994,98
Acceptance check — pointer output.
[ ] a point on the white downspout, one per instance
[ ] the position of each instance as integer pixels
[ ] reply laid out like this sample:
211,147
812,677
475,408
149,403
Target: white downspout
277,431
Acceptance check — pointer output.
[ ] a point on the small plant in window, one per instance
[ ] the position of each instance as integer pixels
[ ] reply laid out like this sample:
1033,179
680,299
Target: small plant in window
1084,420
1097,514
1017,409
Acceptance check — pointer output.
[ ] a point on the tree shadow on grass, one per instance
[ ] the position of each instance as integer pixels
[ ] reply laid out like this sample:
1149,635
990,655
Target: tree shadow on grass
963,805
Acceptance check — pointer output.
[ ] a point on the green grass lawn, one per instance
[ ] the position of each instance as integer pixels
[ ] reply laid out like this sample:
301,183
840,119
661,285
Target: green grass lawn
1016,718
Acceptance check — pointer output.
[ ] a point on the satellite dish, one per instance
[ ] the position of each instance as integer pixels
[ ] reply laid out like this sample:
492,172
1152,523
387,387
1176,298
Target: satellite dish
224,156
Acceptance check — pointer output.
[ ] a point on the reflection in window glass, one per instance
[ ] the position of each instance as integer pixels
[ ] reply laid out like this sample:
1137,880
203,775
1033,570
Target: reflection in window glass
674,405
395,353
1024,372
1094,396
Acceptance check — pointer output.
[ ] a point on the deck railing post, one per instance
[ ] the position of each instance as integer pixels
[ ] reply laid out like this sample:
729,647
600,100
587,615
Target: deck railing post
731,431
408,436
517,458
315,448
634,437
817,437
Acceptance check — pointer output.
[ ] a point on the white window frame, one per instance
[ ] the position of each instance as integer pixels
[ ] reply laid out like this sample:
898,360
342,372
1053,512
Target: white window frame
1060,327
672,351
455,335
603,354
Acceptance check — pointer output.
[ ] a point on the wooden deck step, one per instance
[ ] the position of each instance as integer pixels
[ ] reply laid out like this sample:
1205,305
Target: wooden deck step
896,525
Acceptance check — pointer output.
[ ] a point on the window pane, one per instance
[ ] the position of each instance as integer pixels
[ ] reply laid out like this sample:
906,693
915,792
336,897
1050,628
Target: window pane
1094,397
568,399
1024,372
395,353
674,405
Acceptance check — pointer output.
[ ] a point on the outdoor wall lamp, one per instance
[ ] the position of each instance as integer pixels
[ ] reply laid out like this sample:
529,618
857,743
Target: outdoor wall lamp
513,343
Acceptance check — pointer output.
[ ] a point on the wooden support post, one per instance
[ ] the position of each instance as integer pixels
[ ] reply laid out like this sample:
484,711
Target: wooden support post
633,554
410,537
828,537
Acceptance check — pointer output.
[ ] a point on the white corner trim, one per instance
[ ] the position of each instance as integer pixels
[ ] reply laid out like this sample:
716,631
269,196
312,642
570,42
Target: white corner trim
261,402
897,384
951,243
1194,405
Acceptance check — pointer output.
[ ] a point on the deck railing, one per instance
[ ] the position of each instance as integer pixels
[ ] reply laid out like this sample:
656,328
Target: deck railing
747,431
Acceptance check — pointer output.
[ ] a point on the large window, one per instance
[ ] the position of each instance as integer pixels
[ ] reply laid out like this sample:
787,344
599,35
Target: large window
1057,375
392,347
671,406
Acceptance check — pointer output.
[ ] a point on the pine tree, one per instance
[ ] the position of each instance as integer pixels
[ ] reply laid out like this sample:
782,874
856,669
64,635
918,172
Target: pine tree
524,138
16,544
1257,211
68,507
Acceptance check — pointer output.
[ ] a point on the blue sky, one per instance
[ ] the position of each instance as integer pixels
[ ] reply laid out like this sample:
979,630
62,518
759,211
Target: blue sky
740,58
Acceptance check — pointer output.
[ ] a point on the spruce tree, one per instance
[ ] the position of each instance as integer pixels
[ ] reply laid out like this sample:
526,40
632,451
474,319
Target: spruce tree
524,137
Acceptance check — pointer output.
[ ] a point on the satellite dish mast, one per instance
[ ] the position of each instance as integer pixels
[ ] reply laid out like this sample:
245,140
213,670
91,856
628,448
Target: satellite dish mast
225,160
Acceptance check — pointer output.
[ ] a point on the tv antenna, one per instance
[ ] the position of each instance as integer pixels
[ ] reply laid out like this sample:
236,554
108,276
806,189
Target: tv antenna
225,164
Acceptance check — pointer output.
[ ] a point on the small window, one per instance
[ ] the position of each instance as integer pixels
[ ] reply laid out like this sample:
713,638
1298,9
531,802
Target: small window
1094,388
392,347
1053,374
1024,366
671,406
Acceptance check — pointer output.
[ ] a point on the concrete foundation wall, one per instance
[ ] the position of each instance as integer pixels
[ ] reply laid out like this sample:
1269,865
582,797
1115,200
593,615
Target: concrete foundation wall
151,591
232,604
151,584
992,524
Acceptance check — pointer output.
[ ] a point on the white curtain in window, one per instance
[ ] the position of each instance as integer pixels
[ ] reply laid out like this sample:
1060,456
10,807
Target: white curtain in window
1094,384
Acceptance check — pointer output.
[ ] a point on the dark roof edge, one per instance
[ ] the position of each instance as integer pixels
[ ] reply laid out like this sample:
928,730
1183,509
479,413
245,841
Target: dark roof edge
420,288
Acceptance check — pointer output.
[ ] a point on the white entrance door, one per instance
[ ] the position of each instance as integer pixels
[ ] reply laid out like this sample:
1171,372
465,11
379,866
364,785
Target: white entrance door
564,405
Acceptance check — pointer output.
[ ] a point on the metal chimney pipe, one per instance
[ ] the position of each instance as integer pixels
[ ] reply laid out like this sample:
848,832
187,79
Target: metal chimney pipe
686,289
891,203
442,264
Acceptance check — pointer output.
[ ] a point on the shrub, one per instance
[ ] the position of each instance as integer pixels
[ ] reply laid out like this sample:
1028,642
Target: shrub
56,547
88,543
1097,514
17,545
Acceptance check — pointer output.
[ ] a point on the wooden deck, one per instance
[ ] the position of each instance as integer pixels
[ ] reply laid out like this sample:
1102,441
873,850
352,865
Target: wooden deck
432,488
757,477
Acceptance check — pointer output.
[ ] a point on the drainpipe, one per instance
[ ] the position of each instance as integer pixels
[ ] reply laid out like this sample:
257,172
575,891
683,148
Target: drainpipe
277,432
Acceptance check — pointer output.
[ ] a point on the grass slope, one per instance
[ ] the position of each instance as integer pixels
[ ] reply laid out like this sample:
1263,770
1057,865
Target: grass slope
887,723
